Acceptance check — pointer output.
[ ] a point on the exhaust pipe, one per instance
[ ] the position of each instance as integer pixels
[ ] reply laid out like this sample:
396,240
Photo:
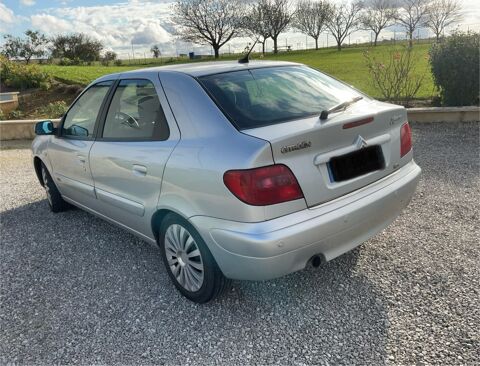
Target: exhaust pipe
316,261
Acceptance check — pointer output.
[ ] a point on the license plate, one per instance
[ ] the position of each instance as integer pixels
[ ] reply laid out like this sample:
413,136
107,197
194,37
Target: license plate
356,163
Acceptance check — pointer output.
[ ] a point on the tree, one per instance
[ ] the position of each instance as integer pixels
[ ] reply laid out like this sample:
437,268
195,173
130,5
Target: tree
345,20
256,22
77,46
33,45
278,18
378,15
213,22
11,48
108,57
311,17
441,14
155,51
411,14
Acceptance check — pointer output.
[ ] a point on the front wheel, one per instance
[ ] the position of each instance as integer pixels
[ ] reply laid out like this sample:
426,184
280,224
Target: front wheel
54,198
189,262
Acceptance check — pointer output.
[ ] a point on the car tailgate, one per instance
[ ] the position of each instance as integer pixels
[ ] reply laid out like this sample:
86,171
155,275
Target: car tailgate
314,148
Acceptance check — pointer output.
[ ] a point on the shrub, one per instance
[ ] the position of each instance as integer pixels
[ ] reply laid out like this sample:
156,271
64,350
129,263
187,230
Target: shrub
118,63
395,74
455,70
108,57
65,61
77,61
16,114
52,110
23,76
2,115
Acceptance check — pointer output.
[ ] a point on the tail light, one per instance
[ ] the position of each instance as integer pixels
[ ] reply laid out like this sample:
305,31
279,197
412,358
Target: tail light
263,186
405,139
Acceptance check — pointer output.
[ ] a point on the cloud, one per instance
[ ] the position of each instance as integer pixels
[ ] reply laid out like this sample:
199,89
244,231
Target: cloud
7,17
27,2
50,24
117,25
150,33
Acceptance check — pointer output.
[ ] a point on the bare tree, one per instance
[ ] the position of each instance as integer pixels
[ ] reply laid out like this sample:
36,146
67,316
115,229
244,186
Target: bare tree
378,15
278,17
256,22
344,20
411,15
441,14
311,17
213,22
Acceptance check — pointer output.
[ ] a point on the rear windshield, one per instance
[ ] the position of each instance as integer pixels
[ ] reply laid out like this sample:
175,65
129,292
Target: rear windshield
265,96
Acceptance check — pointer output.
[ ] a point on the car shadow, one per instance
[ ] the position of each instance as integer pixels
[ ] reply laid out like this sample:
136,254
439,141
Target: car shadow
76,289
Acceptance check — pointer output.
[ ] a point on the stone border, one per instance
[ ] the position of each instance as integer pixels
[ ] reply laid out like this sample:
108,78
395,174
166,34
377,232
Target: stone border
24,129
444,114
19,129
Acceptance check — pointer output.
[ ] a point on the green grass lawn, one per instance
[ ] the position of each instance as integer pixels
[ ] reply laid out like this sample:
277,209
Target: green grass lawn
348,65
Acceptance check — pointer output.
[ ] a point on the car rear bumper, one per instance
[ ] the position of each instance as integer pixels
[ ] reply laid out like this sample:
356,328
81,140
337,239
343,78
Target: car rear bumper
270,249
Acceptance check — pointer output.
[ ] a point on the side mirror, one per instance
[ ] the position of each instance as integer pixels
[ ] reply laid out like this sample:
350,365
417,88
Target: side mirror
44,128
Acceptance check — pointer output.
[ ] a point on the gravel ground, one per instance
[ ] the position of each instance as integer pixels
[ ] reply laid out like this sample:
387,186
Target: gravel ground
74,289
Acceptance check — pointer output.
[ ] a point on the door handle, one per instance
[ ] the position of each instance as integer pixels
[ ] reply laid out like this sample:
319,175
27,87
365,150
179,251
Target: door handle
139,170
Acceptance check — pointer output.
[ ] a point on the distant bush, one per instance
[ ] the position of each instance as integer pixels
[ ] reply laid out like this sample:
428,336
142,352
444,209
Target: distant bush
21,76
52,110
118,63
65,61
108,57
395,74
455,68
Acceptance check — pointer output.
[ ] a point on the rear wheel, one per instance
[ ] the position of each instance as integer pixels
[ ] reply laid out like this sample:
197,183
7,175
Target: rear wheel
54,198
189,262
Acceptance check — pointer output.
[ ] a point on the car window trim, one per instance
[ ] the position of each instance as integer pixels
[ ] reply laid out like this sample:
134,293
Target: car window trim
106,107
95,127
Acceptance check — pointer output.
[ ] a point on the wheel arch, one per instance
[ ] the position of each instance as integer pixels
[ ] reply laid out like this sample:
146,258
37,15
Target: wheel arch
37,164
158,218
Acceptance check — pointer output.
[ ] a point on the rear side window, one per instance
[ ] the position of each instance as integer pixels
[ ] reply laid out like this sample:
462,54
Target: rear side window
80,119
266,96
135,113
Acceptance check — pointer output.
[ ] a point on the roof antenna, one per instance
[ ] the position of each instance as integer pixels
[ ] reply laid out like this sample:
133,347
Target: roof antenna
245,59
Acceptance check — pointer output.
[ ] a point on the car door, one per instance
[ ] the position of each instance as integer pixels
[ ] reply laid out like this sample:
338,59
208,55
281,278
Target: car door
136,138
68,150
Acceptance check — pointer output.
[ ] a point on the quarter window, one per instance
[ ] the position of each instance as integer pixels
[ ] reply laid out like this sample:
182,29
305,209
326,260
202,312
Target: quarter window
135,113
80,119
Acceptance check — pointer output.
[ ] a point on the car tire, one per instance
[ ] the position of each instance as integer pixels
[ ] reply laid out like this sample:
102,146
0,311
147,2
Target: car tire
189,262
54,198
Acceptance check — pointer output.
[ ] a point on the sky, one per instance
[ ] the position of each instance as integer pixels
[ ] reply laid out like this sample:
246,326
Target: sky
138,24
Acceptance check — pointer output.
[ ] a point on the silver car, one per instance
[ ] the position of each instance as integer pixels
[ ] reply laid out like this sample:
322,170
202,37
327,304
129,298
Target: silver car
245,171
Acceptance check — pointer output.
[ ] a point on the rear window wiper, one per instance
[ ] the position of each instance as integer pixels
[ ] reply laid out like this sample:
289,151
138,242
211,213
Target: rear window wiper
339,107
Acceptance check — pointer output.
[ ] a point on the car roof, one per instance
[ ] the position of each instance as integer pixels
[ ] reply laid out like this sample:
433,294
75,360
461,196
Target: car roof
197,69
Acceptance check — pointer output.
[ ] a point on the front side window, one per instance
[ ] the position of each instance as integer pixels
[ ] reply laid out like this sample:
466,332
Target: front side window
135,113
80,119
265,96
